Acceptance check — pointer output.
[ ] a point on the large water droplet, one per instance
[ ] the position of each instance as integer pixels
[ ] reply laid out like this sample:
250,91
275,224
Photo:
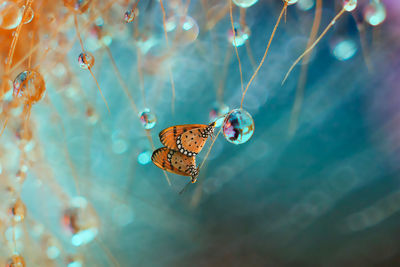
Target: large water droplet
238,127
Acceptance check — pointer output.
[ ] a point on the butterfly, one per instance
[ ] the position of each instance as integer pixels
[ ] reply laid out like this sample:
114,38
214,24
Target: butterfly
188,139
175,162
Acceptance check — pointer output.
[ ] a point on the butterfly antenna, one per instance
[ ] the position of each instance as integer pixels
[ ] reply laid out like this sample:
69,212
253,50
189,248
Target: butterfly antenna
209,150
185,188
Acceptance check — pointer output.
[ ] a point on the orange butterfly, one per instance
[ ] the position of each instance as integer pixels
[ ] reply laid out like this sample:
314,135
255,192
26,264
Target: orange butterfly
188,139
175,162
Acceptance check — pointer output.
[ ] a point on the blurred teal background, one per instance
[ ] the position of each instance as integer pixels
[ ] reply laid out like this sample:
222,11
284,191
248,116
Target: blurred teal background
325,195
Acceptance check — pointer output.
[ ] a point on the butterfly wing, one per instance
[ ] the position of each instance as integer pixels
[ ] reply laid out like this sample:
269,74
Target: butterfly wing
193,140
188,139
168,136
175,162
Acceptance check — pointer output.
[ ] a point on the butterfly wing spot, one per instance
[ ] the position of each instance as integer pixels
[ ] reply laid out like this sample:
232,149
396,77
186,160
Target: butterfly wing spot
169,155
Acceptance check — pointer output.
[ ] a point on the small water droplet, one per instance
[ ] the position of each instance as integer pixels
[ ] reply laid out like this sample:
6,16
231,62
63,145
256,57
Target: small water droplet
86,60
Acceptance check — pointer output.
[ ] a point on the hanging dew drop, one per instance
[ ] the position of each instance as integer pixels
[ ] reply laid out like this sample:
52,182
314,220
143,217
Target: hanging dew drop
148,119
349,5
375,13
239,35
86,60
